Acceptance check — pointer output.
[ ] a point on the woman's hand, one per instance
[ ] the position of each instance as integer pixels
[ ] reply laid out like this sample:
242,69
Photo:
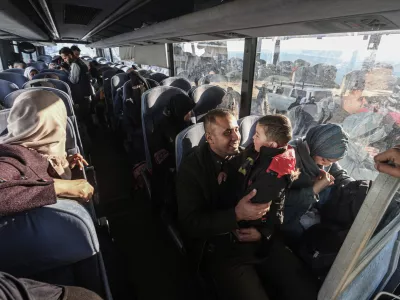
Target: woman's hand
324,180
77,160
74,189
389,162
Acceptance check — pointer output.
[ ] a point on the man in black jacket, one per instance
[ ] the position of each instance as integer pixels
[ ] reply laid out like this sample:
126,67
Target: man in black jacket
209,214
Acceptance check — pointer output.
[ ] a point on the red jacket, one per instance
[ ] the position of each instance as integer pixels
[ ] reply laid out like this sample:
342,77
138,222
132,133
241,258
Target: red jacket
24,181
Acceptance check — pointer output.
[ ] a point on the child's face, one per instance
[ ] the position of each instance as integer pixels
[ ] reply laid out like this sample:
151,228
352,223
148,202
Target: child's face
260,139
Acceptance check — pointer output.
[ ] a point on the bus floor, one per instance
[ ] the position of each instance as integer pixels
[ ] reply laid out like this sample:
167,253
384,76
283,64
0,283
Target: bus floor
141,261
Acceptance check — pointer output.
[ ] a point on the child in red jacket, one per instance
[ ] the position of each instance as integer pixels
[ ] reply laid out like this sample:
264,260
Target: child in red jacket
269,166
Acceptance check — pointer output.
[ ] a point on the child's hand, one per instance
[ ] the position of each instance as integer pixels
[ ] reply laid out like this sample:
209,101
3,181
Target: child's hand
222,177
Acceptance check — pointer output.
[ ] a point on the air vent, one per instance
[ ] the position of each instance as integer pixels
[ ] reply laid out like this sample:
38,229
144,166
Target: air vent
81,15
229,35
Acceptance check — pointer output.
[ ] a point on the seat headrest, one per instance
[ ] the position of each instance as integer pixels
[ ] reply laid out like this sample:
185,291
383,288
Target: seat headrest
38,65
247,129
206,97
118,80
52,75
159,77
16,78
49,82
9,100
186,140
152,83
6,87
178,82
18,71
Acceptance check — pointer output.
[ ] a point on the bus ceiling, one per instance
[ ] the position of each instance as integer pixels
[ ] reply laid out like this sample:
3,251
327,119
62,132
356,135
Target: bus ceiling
146,22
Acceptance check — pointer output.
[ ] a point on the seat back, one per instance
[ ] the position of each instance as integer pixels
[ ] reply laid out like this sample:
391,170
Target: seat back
247,129
206,97
52,75
144,73
107,76
48,82
159,77
213,78
61,72
186,140
152,83
6,87
46,58
154,102
117,83
16,78
125,68
9,100
39,65
178,82
3,121
16,70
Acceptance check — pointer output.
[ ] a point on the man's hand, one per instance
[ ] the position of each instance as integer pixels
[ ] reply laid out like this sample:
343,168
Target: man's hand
248,211
74,189
248,235
389,162
77,160
324,180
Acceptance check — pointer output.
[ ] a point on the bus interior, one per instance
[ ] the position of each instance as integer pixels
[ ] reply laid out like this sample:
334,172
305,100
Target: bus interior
299,58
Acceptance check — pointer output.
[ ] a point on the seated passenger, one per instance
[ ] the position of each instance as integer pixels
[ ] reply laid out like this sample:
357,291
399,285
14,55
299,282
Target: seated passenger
30,72
12,288
38,122
269,166
317,156
19,65
209,214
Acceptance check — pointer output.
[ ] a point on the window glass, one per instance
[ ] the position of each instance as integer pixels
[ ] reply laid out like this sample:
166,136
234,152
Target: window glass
107,54
54,50
115,53
155,69
214,62
350,79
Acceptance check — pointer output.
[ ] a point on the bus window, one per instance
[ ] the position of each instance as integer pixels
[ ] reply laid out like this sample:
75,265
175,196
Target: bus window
85,51
344,80
156,69
214,62
115,54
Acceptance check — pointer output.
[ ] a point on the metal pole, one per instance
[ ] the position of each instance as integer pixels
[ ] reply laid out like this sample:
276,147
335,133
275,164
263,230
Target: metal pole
170,56
249,63
111,55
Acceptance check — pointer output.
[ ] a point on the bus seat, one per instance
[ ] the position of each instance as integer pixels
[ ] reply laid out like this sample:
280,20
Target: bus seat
206,97
153,103
178,82
159,77
6,87
49,82
125,68
186,140
16,78
247,128
46,58
53,75
3,121
9,100
61,72
38,65
117,84
16,70
56,244
152,83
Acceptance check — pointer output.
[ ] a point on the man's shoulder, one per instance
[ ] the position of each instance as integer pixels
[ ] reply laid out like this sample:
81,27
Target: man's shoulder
194,158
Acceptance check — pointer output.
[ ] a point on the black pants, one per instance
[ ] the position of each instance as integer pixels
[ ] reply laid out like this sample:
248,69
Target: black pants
280,276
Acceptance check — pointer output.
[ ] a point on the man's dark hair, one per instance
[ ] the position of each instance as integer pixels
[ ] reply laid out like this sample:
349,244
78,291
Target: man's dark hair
66,51
65,66
75,48
277,128
212,115
353,81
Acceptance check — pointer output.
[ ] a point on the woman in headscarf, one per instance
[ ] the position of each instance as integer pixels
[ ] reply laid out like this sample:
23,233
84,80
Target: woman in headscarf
317,156
30,72
38,122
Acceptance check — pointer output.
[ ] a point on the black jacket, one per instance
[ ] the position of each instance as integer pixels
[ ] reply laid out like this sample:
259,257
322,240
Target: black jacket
270,172
198,199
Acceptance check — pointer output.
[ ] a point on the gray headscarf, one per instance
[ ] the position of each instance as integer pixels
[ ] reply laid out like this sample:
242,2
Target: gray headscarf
327,141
